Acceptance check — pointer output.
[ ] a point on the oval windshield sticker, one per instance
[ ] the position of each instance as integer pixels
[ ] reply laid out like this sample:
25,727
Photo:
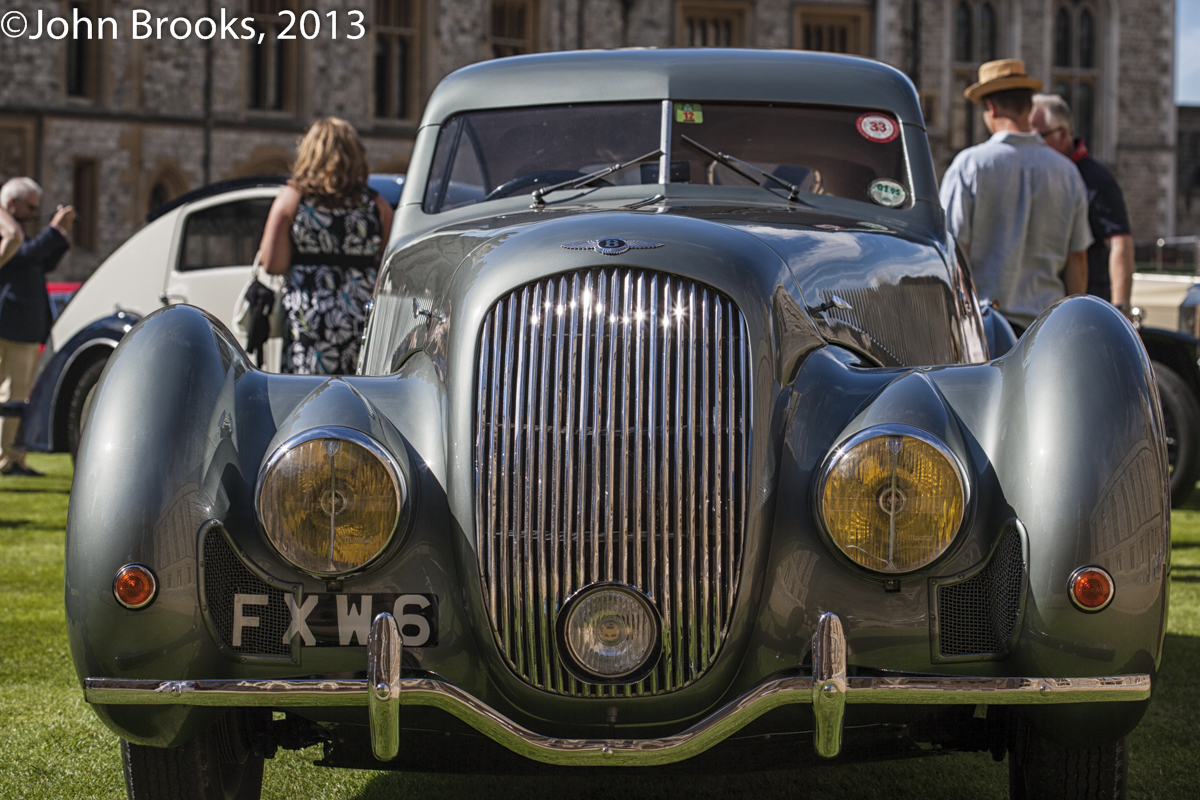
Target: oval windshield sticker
878,128
888,193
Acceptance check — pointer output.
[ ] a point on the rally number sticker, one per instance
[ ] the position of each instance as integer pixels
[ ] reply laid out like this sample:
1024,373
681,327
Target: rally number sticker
689,112
878,128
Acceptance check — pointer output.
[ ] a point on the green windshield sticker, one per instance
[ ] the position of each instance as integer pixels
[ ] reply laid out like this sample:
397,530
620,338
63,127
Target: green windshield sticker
688,112
888,193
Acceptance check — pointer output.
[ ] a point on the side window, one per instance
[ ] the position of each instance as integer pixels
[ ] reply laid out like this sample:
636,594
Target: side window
224,236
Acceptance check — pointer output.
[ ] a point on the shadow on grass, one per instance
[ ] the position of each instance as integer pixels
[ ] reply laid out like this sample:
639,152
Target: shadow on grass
39,490
1167,739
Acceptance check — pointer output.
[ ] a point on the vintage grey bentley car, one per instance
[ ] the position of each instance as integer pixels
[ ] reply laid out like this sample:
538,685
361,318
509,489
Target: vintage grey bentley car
679,439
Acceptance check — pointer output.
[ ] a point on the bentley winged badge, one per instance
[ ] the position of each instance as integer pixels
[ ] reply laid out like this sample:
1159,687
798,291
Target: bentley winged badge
612,247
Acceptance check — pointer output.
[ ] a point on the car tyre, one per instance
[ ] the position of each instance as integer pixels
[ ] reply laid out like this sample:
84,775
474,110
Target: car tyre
200,770
1039,769
1181,424
78,400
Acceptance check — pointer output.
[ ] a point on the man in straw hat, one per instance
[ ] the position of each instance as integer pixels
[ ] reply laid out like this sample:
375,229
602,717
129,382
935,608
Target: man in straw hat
1016,206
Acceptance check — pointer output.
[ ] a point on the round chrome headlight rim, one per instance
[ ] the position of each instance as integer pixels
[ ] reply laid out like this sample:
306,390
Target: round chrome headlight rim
890,429
354,436
570,661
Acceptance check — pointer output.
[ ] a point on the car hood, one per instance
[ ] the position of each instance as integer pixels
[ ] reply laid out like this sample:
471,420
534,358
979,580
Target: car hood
790,261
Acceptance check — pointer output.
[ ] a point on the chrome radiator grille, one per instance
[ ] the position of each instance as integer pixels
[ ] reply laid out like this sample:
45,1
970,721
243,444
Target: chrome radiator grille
612,444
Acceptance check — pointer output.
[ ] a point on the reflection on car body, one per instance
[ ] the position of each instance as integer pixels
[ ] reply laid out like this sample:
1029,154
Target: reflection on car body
683,459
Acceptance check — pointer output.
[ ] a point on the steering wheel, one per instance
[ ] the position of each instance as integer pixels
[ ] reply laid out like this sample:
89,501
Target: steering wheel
530,180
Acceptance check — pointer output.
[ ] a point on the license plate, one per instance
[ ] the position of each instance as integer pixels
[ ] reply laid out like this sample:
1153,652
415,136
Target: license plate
341,619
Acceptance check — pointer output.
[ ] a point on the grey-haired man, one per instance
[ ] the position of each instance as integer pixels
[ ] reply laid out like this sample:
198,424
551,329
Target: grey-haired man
24,305
1110,258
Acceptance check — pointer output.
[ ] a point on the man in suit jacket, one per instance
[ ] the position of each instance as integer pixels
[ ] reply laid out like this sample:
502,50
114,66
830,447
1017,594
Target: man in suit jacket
25,306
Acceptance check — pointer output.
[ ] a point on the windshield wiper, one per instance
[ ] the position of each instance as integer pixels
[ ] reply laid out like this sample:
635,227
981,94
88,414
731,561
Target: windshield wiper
728,160
584,180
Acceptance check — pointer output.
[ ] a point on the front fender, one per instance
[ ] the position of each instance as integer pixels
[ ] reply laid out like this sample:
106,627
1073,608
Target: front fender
1070,423
1062,434
178,429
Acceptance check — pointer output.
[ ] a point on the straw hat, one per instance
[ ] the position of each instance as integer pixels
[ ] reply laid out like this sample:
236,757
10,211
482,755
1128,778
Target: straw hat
996,76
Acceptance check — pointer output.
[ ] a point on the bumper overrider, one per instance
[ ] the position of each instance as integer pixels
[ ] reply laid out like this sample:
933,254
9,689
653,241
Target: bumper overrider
828,691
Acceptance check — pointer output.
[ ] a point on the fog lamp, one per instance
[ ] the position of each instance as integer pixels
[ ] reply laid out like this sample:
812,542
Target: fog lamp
892,498
330,499
135,586
611,634
1091,588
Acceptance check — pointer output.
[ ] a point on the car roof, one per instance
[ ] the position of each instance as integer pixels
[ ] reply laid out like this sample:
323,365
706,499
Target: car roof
388,185
714,74
220,187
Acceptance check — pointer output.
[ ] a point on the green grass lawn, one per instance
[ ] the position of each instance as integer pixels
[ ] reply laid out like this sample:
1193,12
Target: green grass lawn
54,747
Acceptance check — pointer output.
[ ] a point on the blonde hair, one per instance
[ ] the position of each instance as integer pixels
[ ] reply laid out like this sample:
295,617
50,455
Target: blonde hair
331,164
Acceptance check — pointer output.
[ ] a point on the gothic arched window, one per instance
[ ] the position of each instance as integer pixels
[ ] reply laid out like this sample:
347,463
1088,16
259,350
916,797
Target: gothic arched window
977,38
1062,38
987,32
962,33
1076,67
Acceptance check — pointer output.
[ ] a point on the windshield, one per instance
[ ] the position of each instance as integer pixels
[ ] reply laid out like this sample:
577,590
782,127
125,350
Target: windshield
854,154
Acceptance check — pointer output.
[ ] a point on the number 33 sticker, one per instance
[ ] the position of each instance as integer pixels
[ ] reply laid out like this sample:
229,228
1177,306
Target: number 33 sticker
878,128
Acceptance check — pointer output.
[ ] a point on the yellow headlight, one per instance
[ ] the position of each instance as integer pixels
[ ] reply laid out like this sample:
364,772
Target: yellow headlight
892,501
330,504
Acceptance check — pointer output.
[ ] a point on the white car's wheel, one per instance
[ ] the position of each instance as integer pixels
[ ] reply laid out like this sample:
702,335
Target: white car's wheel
78,400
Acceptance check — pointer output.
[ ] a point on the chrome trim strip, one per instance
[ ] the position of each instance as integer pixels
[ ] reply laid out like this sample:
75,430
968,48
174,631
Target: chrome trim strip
385,652
518,483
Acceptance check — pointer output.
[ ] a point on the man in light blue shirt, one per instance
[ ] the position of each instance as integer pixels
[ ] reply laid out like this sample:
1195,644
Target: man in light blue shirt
1017,207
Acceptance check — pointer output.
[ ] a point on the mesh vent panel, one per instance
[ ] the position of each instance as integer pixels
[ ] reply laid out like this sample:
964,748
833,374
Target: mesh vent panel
225,576
978,616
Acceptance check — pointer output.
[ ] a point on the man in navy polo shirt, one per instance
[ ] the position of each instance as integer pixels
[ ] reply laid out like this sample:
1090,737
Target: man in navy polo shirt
1110,258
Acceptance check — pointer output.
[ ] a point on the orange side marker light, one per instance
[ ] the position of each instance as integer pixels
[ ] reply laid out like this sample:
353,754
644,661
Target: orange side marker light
1091,588
135,586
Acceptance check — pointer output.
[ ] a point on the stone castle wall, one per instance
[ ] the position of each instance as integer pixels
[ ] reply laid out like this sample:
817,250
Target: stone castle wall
148,122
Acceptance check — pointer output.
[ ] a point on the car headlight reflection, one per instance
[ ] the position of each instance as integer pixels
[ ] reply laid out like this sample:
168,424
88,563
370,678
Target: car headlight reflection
892,499
330,500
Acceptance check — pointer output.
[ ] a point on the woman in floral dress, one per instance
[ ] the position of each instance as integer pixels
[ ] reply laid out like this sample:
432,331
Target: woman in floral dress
326,231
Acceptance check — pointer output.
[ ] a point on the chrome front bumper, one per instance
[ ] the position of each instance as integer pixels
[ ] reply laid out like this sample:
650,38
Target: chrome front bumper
828,690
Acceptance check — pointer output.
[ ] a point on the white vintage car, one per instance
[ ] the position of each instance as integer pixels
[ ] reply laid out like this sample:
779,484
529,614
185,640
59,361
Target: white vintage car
1167,301
197,249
